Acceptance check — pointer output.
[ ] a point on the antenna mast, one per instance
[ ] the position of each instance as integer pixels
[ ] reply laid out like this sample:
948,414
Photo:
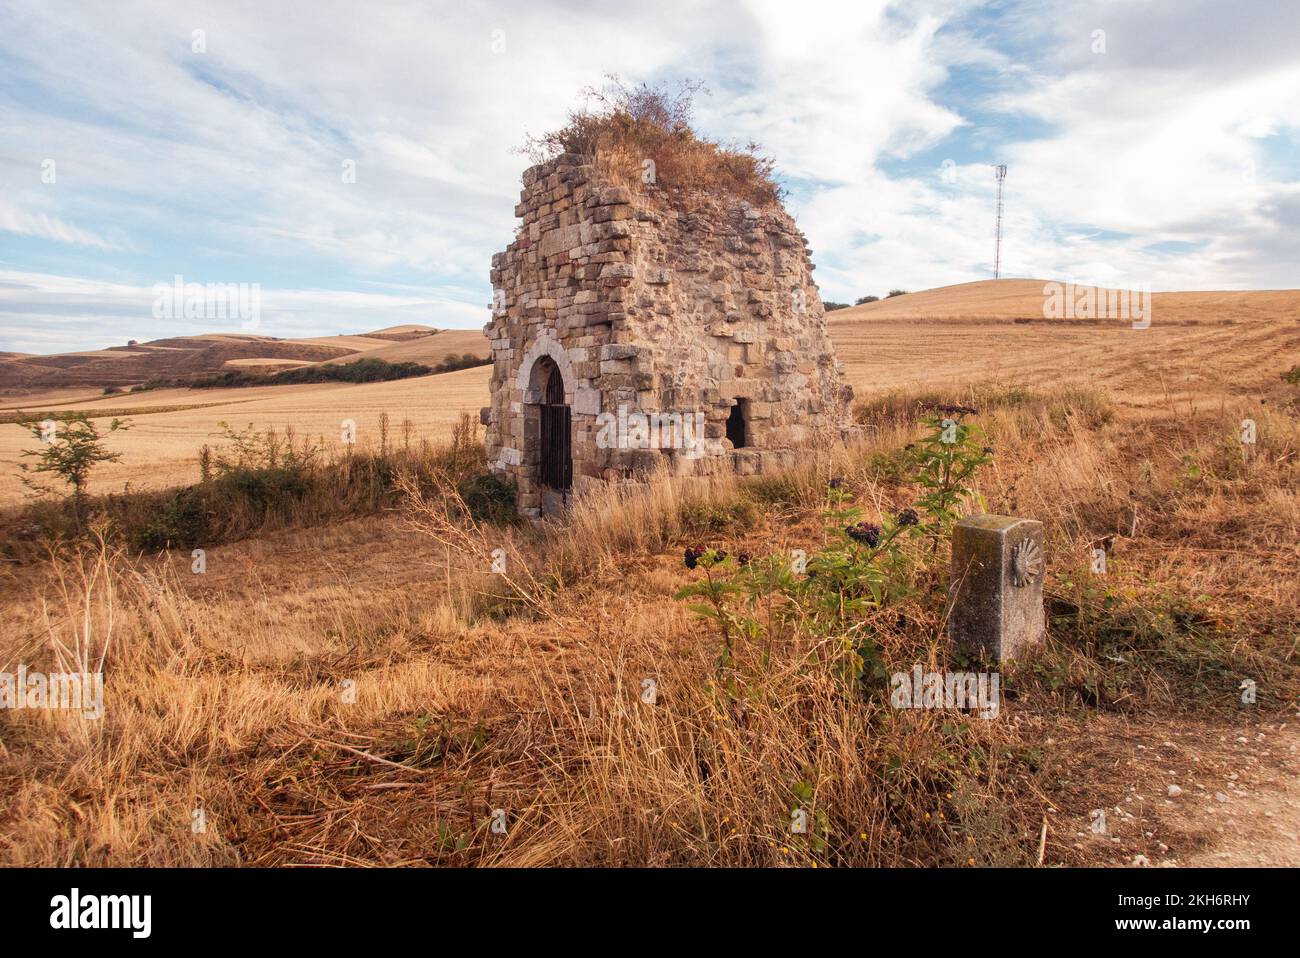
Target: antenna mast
1001,171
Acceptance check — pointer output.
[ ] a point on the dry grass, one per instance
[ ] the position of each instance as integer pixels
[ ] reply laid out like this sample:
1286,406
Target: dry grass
632,125
162,448
522,691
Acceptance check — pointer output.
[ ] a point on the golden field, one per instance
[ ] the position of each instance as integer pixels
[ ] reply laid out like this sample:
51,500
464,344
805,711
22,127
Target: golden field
1201,347
162,446
522,691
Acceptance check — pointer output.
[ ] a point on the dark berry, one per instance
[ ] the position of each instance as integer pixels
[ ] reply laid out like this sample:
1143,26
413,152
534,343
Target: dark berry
864,532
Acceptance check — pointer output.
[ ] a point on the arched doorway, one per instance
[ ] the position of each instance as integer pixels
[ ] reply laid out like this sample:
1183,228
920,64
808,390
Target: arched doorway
548,432
555,466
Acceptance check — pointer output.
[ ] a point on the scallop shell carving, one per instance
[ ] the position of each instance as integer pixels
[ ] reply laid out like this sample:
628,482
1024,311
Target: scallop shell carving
1026,562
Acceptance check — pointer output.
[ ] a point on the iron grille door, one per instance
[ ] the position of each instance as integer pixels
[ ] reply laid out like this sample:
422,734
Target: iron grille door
557,461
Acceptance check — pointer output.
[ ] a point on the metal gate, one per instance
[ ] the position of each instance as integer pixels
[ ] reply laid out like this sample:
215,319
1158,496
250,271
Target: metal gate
557,459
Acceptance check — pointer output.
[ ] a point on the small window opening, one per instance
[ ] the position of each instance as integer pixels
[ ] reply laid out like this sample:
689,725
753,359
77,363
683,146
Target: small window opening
737,424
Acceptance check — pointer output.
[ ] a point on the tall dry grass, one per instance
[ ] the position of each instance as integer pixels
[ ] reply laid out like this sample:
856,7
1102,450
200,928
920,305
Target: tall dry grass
253,483
523,690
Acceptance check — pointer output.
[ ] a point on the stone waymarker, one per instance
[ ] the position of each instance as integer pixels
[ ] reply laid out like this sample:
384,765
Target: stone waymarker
996,595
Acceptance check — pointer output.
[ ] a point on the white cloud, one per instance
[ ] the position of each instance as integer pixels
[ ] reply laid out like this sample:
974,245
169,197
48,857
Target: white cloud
47,310
228,162
44,226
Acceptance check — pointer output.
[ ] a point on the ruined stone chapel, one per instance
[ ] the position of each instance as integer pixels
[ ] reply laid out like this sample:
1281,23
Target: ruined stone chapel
630,335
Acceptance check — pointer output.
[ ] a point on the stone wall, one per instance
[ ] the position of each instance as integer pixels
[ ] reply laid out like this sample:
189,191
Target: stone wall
646,307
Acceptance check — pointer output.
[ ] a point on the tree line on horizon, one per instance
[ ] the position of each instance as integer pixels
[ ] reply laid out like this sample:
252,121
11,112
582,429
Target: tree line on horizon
861,300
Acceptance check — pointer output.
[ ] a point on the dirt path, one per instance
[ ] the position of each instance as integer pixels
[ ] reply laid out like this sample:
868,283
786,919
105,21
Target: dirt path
1259,823
1183,793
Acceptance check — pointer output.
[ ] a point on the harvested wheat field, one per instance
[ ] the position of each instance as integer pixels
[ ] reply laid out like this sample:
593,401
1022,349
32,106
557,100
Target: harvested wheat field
168,427
365,690
1199,347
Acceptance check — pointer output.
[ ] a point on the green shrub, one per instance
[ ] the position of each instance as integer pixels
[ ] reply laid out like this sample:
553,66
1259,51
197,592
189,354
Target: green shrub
182,521
268,487
864,566
489,498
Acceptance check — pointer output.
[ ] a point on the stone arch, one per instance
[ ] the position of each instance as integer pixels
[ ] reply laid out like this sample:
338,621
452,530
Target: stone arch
546,464
544,345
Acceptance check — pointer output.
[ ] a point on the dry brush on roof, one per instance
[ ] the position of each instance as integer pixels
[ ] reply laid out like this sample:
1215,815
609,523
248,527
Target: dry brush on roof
642,137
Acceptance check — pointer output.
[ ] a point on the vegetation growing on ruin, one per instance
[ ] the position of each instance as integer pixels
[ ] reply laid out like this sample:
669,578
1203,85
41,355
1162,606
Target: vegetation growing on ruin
643,137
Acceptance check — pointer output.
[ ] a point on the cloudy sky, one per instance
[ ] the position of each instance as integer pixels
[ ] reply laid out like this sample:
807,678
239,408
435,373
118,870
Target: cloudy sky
1149,142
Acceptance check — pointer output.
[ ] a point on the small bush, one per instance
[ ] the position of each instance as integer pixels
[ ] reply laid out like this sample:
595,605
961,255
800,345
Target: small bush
864,568
71,449
489,498
181,521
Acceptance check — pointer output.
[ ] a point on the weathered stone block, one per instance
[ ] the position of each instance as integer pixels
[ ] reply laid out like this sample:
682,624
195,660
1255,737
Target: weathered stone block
617,271
738,388
619,351
609,195
586,402
996,591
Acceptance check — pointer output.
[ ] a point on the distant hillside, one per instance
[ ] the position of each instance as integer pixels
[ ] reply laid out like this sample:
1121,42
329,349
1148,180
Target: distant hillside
1022,299
185,357
427,349
161,358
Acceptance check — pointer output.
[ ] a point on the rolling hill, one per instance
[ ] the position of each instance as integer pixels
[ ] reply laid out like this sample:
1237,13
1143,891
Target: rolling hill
1012,299
1198,343
186,356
